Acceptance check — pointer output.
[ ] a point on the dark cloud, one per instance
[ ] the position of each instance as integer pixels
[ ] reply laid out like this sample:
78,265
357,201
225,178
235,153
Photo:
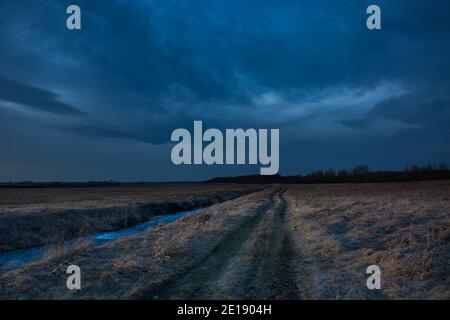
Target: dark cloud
355,123
35,98
427,106
311,68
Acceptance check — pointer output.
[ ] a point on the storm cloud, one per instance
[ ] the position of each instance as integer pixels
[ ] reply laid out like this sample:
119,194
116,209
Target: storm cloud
34,97
340,94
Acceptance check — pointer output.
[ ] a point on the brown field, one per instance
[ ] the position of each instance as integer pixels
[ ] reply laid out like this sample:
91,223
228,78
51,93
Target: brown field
31,217
282,242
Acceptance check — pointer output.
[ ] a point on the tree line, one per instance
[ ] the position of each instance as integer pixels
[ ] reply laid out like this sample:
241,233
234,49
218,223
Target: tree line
359,174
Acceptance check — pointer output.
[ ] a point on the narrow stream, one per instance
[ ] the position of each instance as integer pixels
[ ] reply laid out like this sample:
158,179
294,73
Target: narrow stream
16,259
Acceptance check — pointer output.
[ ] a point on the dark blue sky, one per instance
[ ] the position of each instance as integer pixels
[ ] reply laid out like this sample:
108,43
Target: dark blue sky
101,103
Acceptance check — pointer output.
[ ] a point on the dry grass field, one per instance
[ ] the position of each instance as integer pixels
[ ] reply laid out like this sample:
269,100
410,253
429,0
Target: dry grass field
282,242
31,217
402,227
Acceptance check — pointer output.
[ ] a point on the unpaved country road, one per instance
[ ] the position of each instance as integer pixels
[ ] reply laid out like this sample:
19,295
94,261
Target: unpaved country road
253,261
282,242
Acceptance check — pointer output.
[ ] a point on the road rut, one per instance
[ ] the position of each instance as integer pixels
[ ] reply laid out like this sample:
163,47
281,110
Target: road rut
253,261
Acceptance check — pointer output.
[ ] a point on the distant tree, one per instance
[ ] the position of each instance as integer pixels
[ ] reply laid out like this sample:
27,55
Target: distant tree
361,170
443,167
343,173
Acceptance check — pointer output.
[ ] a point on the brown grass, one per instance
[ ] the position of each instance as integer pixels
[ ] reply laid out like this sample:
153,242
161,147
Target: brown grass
127,268
38,216
402,227
330,233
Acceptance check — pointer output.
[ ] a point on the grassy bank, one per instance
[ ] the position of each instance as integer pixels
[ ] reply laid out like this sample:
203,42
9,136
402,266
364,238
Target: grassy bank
36,217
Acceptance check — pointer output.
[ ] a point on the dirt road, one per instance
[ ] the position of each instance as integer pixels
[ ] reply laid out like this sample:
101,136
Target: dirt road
253,261
282,242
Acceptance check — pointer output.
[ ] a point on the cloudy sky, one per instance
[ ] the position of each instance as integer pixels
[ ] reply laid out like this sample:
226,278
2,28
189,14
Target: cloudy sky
101,103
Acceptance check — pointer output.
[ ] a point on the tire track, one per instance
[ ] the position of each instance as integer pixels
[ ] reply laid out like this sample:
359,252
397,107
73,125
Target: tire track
193,282
253,261
270,275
